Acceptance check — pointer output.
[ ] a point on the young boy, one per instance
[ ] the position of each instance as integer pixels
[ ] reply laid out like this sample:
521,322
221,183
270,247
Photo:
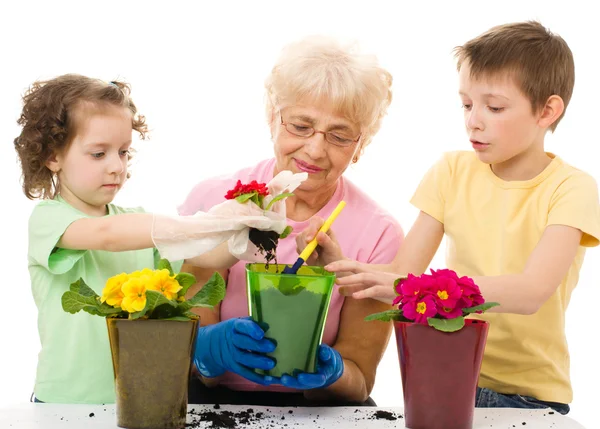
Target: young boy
516,218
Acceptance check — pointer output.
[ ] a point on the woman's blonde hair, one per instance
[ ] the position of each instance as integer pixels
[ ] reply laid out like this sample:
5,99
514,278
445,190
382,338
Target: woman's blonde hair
322,70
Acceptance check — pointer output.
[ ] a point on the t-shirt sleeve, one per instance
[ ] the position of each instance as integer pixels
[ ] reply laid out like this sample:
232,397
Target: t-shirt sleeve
205,195
430,195
389,242
48,222
575,204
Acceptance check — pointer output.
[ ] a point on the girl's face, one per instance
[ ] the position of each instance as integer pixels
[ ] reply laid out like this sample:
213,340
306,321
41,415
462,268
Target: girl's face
93,168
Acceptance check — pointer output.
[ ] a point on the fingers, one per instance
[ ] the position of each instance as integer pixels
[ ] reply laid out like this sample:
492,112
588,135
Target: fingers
366,279
252,360
264,380
291,382
312,381
346,265
315,223
380,293
325,353
245,342
248,327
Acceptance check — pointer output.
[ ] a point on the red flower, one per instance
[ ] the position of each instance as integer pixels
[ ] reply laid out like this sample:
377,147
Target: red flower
241,189
441,293
419,310
447,292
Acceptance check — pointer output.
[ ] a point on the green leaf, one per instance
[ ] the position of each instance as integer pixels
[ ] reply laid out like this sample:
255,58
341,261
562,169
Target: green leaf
83,289
73,302
483,307
288,229
185,280
164,264
244,197
386,316
165,311
180,318
108,310
398,280
153,300
211,294
277,198
447,325
256,199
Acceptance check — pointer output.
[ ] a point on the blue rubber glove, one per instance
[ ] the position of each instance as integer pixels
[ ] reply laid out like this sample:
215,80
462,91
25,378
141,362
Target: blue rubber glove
330,367
236,345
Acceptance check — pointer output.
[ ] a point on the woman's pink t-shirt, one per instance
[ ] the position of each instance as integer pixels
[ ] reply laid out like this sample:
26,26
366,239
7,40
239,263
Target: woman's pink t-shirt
365,232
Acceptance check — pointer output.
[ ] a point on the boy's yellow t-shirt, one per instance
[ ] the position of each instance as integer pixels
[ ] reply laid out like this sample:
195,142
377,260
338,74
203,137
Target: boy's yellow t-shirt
492,226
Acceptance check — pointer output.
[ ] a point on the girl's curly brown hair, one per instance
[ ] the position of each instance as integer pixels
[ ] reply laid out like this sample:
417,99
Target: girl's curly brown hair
48,122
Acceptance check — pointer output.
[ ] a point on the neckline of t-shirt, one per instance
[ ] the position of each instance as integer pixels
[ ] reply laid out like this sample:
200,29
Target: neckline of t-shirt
111,209
554,164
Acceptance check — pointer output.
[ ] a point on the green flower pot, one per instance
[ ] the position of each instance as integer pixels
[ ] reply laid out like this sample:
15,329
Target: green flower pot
152,362
295,309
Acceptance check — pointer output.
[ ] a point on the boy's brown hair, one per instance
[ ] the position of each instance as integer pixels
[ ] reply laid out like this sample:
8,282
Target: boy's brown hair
49,123
540,61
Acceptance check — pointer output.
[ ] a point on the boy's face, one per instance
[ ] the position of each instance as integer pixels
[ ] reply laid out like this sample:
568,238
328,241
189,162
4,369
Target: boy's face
499,118
94,166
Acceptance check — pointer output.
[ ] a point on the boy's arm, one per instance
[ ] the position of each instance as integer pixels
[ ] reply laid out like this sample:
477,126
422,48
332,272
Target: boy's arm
547,266
377,281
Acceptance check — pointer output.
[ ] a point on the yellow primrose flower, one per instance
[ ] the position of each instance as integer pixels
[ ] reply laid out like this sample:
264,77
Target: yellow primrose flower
146,272
135,295
163,282
112,293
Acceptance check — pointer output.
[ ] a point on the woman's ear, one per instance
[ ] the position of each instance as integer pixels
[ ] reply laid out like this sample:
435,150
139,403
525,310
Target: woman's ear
551,111
272,122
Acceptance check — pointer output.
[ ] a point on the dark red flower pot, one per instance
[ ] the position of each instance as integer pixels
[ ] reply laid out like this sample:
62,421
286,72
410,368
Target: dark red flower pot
440,371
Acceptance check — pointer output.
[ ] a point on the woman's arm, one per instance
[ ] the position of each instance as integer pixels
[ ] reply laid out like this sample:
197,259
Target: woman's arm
361,345
208,316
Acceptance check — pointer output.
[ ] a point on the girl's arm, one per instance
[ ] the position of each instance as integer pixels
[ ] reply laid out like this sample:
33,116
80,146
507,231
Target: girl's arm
118,233
134,231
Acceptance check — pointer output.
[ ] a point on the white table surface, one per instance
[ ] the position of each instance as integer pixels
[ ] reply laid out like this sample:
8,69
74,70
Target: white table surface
58,416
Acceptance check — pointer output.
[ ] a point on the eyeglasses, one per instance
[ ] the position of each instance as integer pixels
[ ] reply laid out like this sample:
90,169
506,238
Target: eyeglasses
336,138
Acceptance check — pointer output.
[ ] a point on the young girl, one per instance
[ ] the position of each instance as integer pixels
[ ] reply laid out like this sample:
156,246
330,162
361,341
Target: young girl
74,152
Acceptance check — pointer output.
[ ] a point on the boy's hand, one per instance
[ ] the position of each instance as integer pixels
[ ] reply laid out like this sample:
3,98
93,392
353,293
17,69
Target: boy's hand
364,280
328,249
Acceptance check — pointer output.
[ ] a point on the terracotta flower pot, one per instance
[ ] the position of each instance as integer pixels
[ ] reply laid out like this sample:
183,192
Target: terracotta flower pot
440,371
151,362
295,309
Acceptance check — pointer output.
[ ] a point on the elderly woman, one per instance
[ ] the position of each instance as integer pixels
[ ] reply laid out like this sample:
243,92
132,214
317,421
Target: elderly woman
325,103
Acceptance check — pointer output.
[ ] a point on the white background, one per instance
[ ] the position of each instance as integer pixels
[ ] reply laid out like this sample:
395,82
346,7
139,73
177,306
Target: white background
197,73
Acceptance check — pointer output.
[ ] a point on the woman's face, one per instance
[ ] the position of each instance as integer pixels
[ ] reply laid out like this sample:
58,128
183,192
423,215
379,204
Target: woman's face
324,158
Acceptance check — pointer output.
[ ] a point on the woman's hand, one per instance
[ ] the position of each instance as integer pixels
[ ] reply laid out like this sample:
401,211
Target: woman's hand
328,249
